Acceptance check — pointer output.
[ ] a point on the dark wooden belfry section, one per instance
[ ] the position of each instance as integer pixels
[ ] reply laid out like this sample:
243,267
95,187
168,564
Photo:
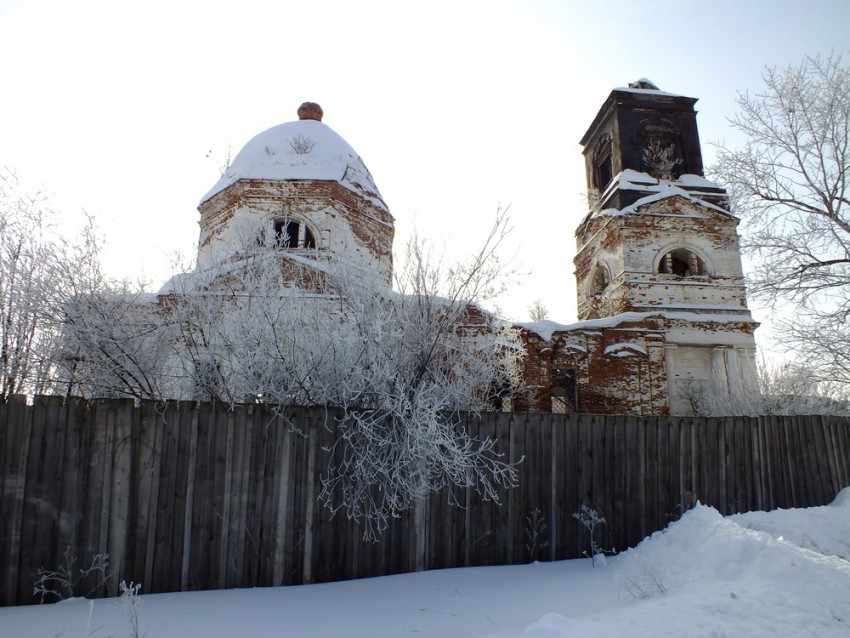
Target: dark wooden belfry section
629,122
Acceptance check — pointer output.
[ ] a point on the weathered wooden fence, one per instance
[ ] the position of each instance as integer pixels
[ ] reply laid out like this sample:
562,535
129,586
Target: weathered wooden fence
194,496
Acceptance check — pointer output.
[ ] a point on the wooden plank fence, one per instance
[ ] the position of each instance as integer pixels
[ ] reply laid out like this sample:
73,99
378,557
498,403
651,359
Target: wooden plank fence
186,496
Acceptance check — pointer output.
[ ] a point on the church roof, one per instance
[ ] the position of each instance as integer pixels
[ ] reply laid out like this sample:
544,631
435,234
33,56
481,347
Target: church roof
305,149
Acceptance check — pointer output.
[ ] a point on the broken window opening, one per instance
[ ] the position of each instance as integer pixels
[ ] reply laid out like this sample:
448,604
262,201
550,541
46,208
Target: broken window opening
600,280
291,233
602,168
682,263
564,391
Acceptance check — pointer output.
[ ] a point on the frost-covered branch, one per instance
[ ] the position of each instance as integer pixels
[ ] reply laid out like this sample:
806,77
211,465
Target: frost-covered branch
399,365
432,353
789,183
38,268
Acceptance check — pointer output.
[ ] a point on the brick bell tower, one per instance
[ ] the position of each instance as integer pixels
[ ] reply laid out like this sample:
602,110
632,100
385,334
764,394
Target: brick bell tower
664,326
659,238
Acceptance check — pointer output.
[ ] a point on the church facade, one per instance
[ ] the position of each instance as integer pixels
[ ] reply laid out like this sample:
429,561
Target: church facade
664,326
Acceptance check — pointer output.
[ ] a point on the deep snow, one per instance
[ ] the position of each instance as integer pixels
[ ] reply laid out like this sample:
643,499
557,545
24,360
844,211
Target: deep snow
780,573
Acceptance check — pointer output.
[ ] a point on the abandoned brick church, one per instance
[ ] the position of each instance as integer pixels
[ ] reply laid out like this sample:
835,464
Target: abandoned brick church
663,318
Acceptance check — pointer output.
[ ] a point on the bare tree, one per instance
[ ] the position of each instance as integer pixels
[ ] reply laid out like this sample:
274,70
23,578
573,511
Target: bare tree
791,388
429,353
784,389
399,365
538,310
115,343
789,183
38,266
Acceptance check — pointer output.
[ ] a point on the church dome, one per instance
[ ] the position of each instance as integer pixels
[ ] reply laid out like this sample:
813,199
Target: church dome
306,149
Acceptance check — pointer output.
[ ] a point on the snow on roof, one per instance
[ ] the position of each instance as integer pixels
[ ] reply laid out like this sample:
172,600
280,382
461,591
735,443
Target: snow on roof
626,89
547,328
175,284
646,87
305,149
543,329
630,179
669,190
659,189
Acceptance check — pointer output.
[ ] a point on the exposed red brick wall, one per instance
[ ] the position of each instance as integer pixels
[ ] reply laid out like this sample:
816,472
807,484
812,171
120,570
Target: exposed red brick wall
606,383
370,222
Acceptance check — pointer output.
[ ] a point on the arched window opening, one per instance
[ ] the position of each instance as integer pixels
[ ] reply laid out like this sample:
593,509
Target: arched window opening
602,170
600,280
291,233
682,263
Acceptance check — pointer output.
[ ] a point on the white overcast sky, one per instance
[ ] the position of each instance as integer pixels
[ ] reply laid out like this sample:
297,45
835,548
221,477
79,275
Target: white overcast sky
127,110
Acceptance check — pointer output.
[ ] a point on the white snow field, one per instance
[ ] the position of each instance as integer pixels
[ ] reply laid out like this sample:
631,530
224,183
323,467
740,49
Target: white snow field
780,573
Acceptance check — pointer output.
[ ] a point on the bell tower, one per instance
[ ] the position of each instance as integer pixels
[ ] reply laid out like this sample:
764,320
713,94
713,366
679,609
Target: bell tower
658,235
659,240
641,129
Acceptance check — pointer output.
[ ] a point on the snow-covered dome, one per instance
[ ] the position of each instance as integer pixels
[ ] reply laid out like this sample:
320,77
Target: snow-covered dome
305,149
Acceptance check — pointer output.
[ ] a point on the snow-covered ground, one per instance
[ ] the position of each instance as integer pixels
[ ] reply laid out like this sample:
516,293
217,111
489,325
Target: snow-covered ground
781,573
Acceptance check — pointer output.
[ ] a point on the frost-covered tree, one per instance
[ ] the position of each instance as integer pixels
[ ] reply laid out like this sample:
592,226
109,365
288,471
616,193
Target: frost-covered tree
399,365
38,268
538,310
789,388
115,343
429,351
789,183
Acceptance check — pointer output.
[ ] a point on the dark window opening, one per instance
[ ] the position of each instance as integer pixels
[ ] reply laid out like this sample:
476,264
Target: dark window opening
564,391
682,263
600,280
290,233
602,169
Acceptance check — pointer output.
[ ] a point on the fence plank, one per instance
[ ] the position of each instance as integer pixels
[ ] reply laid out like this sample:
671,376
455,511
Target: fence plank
120,479
152,427
18,421
163,503
820,456
840,446
330,551
43,492
743,458
634,475
778,476
193,420
71,490
34,546
518,454
616,461
236,546
568,531
673,463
